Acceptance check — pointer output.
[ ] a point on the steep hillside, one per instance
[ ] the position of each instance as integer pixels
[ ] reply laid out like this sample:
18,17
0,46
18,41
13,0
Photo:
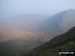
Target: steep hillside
58,23
64,42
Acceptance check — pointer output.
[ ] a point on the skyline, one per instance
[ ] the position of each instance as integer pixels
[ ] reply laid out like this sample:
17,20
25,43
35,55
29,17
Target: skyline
41,7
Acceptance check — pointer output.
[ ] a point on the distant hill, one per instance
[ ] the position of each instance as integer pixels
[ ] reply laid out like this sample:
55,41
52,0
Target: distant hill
23,21
58,23
64,42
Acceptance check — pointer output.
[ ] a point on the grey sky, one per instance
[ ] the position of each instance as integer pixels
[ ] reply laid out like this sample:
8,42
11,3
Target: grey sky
46,7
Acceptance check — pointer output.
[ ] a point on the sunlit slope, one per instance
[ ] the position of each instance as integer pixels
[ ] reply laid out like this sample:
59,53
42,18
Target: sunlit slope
9,34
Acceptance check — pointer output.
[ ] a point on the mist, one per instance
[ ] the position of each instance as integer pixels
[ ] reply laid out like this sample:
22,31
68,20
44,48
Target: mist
26,13
27,24
41,7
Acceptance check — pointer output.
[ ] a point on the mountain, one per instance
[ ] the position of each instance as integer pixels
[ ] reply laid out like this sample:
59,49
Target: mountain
58,23
64,42
19,34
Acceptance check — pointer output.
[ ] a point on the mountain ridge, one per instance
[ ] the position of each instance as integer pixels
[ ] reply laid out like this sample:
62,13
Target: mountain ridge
64,42
58,23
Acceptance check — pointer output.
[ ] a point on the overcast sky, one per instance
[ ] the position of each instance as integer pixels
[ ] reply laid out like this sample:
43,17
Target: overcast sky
43,7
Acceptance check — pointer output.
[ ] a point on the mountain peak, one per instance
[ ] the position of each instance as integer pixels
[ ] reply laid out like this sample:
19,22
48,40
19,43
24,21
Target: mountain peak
71,9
